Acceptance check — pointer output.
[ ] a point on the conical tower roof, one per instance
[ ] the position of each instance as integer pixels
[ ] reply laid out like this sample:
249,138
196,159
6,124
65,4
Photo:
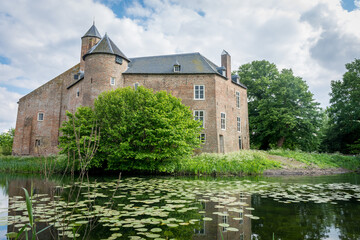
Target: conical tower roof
92,32
105,45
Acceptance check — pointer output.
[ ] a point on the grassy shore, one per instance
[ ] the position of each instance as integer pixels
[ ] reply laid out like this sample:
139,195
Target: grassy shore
14,164
321,160
245,162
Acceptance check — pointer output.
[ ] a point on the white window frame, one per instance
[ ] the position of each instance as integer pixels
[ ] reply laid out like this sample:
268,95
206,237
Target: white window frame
112,81
202,137
198,117
237,99
238,124
176,68
38,117
199,92
223,120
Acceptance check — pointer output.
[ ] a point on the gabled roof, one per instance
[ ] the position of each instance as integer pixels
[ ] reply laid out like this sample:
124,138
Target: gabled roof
92,32
191,63
105,45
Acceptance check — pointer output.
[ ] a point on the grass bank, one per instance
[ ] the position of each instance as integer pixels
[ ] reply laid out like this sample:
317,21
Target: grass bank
321,160
14,164
245,162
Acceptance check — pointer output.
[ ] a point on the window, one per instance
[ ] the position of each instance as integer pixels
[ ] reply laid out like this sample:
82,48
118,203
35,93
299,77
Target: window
242,236
118,60
112,81
240,143
223,121
40,116
202,137
76,76
199,92
225,220
136,85
37,143
176,68
77,92
238,99
238,123
199,116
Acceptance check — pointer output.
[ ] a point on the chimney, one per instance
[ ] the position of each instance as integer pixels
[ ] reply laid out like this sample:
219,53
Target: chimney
226,62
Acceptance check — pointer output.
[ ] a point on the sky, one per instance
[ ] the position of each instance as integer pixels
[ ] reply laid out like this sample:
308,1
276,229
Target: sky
40,39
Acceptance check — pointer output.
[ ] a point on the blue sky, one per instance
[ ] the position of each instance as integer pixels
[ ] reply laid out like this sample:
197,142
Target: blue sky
315,38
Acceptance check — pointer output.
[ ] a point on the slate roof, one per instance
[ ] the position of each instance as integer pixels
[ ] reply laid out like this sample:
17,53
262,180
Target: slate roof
191,63
105,45
92,32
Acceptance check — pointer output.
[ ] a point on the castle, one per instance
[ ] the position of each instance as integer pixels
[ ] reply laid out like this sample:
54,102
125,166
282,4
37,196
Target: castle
216,98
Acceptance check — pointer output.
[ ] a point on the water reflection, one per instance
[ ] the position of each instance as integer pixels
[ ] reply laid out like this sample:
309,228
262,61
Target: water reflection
193,209
236,220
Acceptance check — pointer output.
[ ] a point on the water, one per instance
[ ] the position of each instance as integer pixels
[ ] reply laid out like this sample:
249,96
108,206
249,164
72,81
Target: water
324,207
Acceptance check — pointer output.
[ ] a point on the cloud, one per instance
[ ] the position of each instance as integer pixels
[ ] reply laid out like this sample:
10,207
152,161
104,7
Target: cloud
8,109
313,37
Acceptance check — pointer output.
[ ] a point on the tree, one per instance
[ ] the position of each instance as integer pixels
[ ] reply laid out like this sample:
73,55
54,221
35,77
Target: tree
6,141
343,132
140,129
282,111
80,138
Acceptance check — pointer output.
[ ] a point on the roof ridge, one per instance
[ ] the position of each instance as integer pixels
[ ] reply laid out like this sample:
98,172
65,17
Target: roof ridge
168,55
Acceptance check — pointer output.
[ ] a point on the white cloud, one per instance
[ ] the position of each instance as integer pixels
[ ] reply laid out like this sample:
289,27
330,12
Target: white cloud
8,109
313,37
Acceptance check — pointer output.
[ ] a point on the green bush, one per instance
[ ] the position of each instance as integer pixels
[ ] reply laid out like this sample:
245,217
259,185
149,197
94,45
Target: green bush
236,163
139,130
6,142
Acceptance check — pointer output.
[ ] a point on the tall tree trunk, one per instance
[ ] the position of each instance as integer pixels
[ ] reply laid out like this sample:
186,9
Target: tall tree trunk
280,142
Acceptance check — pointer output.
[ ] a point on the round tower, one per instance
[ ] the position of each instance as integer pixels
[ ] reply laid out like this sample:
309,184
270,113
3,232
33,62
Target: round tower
104,65
90,39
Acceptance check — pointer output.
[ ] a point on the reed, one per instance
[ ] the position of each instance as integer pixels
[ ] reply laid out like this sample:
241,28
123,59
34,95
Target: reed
14,164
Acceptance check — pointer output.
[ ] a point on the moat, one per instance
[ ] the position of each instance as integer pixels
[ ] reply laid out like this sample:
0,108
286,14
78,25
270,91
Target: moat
322,207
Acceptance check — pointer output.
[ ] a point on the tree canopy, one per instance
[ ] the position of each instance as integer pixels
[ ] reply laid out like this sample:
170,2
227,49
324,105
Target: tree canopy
6,141
343,132
282,111
139,129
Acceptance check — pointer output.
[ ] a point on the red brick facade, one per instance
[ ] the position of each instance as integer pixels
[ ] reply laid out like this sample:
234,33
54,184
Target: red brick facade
34,136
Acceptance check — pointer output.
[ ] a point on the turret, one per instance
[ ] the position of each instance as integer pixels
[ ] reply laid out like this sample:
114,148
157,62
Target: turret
90,39
104,65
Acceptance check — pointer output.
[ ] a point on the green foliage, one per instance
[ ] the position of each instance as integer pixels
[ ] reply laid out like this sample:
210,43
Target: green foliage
140,130
344,112
14,164
323,160
6,142
282,111
77,133
243,162
143,130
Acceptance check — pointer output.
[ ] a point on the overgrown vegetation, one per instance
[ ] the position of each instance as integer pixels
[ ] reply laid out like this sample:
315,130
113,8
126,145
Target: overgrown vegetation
6,142
14,164
236,163
322,160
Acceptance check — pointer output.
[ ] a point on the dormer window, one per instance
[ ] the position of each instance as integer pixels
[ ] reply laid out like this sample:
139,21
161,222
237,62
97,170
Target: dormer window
176,68
118,60
224,72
